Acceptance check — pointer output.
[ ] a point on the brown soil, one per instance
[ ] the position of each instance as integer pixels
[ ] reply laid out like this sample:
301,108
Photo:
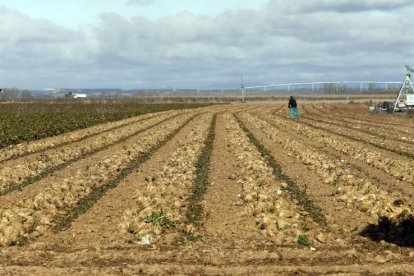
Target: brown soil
224,219
380,177
100,225
231,242
338,217
361,113
27,192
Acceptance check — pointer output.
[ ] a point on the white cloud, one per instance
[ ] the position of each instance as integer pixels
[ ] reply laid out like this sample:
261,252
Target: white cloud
278,43
356,6
141,2
340,6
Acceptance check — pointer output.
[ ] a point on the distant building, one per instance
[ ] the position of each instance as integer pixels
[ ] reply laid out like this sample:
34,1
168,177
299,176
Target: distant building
71,95
75,96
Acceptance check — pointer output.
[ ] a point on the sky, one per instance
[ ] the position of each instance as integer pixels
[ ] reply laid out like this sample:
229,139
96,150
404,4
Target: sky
133,44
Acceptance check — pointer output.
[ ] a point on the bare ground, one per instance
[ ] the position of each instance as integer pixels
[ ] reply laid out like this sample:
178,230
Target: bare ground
231,243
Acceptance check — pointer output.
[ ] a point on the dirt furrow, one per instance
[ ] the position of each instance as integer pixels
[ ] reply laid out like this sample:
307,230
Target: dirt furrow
160,269
95,229
338,218
236,189
360,168
168,203
397,166
373,132
224,219
21,172
36,214
31,147
357,194
265,197
401,148
360,119
161,182
200,260
361,112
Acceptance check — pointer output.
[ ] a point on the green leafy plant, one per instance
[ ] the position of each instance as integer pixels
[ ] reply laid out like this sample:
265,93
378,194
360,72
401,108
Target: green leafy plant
159,219
303,240
24,122
185,239
195,208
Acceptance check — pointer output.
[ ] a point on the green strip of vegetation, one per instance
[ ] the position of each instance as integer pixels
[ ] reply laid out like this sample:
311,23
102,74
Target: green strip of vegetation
195,208
314,211
20,122
85,204
31,180
13,157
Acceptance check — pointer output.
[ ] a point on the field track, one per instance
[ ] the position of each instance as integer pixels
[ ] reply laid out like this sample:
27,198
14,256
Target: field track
226,189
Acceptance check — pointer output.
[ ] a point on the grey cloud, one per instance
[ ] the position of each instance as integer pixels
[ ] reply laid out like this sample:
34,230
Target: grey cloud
356,6
269,45
18,28
339,6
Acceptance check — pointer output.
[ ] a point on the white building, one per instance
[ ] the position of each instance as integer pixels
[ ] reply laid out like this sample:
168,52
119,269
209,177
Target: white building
71,95
76,96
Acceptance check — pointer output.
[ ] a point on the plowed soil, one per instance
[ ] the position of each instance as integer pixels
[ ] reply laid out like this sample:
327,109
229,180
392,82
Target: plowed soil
230,240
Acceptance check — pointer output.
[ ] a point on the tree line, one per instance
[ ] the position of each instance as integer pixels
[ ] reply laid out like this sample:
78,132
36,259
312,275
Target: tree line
7,94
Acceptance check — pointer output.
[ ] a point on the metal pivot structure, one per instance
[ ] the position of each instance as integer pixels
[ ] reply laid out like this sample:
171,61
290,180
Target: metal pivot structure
405,98
243,91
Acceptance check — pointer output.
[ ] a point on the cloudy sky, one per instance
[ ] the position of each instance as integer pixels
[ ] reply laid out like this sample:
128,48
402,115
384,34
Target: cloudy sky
201,44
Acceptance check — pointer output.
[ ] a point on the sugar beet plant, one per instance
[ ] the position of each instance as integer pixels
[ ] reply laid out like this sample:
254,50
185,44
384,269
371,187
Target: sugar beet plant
21,122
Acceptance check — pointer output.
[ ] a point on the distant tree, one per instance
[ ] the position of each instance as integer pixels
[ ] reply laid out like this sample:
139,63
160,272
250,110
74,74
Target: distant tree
372,87
342,89
329,88
26,95
9,94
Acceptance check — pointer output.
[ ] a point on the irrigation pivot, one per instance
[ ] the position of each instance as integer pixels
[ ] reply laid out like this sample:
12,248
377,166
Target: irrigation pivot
405,98
243,90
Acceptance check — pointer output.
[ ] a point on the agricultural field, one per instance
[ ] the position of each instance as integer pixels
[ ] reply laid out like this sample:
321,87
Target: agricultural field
20,122
222,189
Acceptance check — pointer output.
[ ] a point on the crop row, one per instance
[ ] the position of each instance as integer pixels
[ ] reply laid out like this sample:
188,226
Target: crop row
298,194
380,137
399,169
163,203
374,132
24,122
44,161
402,147
22,149
362,116
265,197
355,191
33,217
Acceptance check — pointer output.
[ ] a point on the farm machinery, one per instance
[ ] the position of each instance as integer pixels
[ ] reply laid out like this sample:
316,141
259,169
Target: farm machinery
405,97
